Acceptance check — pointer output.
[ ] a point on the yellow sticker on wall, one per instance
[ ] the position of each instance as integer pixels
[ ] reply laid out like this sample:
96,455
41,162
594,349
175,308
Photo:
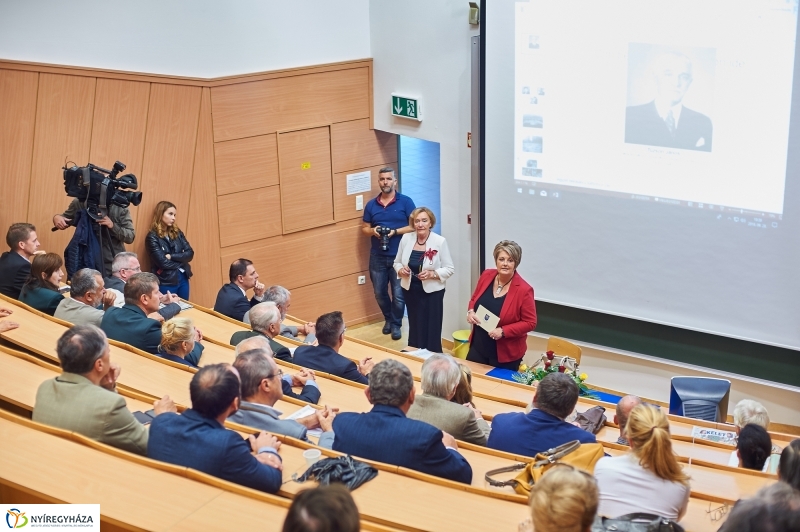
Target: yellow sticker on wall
305,166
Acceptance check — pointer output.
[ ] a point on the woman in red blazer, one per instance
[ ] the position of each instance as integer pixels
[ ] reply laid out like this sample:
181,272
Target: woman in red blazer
504,293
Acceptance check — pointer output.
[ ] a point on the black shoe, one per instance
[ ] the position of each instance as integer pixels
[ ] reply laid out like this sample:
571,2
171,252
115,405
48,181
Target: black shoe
386,328
396,334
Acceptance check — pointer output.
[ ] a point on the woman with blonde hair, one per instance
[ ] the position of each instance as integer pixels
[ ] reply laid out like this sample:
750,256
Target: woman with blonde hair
649,479
178,338
170,252
564,500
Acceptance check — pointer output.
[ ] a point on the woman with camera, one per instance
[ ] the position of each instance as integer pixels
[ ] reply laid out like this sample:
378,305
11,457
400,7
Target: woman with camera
503,292
423,263
41,289
170,252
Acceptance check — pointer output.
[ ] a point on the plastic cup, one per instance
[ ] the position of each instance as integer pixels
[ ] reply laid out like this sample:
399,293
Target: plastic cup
312,456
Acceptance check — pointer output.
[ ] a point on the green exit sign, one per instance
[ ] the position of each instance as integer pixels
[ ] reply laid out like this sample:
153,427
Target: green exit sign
406,107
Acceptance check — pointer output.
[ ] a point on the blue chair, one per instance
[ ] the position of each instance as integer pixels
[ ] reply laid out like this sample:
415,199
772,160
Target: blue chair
700,398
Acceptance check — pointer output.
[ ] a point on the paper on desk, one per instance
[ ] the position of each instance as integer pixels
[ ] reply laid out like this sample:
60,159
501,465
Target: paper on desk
719,436
419,353
305,412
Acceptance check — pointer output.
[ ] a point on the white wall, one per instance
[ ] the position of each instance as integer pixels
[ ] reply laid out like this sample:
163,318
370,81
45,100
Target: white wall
196,38
422,48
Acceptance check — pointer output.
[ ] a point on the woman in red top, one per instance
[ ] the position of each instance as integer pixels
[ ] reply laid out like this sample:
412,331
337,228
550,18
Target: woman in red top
504,293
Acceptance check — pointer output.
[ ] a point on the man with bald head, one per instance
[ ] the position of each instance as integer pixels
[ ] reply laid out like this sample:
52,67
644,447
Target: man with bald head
624,407
665,121
305,377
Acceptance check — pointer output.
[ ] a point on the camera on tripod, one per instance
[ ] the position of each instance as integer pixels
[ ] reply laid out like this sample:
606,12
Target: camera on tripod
99,188
383,232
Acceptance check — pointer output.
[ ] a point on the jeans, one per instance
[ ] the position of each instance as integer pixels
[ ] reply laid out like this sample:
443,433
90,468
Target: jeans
382,275
181,289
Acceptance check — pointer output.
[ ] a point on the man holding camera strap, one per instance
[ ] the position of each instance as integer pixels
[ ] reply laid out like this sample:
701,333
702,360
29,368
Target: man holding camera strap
115,228
386,219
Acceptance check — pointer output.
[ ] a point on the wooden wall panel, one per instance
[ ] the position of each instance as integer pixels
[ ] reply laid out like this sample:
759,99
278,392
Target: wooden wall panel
17,119
355,145
306,260
169,153
306,179
344,205
202,222
249,216
63,132
246,164
118,127
356,301
261,107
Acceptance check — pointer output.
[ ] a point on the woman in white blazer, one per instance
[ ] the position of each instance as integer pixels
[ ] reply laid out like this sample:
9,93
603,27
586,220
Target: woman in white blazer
423,263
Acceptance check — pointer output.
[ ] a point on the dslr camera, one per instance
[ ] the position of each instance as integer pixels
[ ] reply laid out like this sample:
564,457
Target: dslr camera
383,232
98,188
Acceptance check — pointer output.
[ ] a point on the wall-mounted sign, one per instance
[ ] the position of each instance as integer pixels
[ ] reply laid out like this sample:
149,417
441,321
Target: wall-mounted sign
359,182
406,107
305,166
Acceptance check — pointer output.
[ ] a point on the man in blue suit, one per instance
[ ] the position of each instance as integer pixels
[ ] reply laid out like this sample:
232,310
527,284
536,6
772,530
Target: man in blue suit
325,357
386,435
131,323
198,439
232,297
543,427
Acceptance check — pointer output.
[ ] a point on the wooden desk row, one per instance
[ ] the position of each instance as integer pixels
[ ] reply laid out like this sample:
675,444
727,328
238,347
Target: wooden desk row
708,483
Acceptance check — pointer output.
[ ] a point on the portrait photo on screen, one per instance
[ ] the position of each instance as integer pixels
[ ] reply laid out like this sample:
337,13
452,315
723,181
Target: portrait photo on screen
670,93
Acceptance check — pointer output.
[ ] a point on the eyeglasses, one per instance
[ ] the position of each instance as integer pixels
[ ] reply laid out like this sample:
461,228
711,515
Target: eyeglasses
279,374
716,514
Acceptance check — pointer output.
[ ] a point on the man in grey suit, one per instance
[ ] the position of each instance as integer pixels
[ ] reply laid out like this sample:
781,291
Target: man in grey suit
261,389
83,398
125,265
283,299
440,377
86,294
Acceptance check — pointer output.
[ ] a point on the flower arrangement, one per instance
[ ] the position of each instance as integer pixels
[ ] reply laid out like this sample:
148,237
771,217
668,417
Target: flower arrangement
551,363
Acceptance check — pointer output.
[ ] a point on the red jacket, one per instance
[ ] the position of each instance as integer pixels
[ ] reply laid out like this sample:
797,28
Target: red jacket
517,318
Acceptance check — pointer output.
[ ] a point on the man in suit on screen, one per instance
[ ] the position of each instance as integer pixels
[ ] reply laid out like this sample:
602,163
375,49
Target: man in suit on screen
665,121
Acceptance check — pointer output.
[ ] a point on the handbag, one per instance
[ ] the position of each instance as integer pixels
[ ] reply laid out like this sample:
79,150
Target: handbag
592,420
580,456
639,522
344,469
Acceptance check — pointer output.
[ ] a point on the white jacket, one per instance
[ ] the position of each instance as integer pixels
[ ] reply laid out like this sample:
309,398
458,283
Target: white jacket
442,262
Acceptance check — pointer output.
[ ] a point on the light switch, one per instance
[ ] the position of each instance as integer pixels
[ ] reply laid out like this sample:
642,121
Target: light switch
359,202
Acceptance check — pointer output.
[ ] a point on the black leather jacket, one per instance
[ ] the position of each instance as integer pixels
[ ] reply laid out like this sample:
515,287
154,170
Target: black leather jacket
180,253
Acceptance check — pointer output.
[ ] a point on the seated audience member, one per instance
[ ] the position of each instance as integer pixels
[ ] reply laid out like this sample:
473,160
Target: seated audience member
749,412
305,377
323,509
624,407
543,427
198,439
463,393
564,500
649,479
41,289
7,325
753,447
283,298
266,322
131,323
789,469
232,297
262,387
774,508
87,293
325,356
178,339
440,377
15,264
385,434
83,398
126,264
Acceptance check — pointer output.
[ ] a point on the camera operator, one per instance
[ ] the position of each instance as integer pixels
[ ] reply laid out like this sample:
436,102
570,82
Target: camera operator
389,210
113,230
